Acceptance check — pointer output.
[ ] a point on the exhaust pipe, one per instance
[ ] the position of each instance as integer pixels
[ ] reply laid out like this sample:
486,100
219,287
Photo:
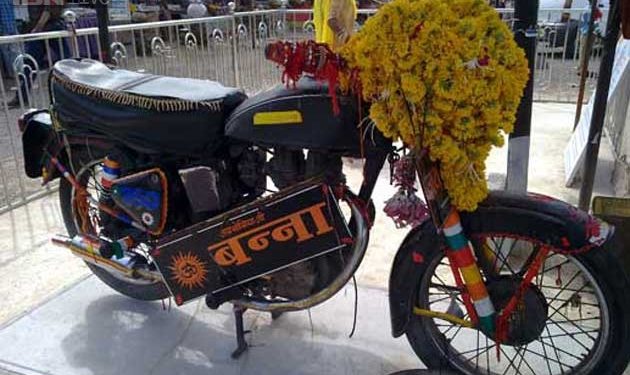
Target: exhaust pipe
88,250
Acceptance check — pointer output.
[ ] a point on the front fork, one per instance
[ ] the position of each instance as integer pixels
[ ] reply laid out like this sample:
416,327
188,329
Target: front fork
459,252
474,292
481,310
467,275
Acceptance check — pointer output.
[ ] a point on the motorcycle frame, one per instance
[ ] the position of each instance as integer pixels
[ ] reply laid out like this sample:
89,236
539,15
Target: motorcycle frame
447,221
445,217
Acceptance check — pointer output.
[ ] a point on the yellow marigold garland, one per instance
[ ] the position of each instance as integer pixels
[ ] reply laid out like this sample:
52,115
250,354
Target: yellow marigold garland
445,75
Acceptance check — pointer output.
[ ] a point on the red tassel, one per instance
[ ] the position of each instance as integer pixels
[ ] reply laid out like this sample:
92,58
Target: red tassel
311,58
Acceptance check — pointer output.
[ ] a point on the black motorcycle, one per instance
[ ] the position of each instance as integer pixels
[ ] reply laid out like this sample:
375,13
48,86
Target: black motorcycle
183,188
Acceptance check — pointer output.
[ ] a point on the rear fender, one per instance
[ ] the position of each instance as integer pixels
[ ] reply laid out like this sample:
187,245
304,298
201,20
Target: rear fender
545,219
41,142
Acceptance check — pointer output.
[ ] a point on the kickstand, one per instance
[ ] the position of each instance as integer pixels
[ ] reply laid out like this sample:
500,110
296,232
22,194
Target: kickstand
241,344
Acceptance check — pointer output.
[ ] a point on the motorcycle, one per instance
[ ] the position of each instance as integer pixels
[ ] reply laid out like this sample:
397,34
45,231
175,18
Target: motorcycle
184,188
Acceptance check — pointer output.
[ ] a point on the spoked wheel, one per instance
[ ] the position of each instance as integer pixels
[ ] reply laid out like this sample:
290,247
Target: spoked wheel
310,282
81,216
568,322
314,281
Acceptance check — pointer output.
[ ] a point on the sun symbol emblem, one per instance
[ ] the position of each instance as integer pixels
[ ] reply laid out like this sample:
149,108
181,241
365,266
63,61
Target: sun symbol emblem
188,270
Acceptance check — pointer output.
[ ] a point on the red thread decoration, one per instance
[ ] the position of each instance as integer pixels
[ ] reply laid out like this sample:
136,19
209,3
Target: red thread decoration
417,30
347,240
593,229
405,207
485,60
307,57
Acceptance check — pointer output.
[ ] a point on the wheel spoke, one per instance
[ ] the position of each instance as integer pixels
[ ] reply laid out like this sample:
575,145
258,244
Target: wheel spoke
576,320
486,349
568,334
571,334
564,343
459,328
504,261
553,345
556,298
488,358
557,311
556,349
511,362
539,276
573,338
448,287
568,301
545,357
431,302
477,356
453,326
553,287
439,293
532,255
564,288
444,286
545,270
524,360
478,350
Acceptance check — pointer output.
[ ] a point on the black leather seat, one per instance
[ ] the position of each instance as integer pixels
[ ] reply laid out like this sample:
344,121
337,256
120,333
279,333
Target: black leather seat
147,112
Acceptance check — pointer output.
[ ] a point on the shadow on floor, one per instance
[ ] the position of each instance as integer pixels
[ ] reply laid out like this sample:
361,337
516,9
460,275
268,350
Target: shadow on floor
122,336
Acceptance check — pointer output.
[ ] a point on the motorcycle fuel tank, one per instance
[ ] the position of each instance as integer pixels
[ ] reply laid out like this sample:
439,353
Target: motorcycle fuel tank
300,117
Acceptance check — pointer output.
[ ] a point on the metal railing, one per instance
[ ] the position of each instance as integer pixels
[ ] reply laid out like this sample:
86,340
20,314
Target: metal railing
228,49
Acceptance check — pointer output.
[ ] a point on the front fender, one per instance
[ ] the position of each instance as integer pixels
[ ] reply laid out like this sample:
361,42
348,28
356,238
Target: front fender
407,270
548,220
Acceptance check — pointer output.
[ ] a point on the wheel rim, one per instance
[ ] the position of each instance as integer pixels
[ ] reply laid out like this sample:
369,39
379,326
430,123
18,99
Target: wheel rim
576,329
94,189
354,256
91,185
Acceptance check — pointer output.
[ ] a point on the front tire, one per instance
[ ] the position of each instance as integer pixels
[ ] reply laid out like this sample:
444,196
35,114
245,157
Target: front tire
145,291
595,342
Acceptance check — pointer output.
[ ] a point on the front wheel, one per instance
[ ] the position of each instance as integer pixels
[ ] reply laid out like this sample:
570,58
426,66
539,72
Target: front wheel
572,320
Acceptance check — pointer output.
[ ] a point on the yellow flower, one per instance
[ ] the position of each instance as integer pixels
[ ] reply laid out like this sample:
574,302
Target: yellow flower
449,70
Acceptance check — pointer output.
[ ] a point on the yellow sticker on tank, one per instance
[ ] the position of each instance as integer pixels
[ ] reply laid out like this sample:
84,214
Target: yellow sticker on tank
278,118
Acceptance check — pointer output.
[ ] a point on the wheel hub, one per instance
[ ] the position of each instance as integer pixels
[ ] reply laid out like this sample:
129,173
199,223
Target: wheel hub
527,321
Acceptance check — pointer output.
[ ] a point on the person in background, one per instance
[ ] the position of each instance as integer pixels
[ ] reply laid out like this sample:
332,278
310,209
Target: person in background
42,18
196,9
334,21
500,4
7,27
7,18
584,21
165,12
